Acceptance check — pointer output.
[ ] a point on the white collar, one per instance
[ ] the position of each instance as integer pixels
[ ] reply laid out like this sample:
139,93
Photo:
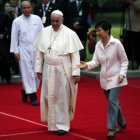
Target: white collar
29,17
58,29
111,40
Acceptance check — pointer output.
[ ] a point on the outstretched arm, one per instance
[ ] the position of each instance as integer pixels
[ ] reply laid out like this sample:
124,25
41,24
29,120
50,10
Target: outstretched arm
82,65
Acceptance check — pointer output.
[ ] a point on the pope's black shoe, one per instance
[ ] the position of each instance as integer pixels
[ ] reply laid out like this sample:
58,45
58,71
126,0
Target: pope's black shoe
61,132
33,99
24,96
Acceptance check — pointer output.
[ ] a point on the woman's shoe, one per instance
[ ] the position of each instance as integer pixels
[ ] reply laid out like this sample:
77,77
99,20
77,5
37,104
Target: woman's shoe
120,128
111,134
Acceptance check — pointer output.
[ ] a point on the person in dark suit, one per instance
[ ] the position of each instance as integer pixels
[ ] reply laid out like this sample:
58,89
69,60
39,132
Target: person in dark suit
33,3
78,14
131,30
1,6
15,12
15,9
5,48
44,10
62,6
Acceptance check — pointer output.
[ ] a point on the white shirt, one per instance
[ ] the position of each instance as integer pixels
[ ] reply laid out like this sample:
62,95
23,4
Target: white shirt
113,62
53,1
77,2
24,32
66,40
44,10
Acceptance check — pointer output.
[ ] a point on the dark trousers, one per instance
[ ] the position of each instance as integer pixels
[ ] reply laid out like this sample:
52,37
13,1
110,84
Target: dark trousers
83,51
5,70
14,65
131,42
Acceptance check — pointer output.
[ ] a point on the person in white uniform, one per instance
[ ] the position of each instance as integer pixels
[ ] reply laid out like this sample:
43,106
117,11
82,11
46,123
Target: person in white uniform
110,53
25,29
56,64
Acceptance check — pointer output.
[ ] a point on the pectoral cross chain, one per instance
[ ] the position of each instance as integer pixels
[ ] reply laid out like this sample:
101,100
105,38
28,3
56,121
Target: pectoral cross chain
49,48
53,41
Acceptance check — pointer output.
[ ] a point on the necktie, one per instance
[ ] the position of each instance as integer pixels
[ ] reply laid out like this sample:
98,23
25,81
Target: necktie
45,7
44,10
78,5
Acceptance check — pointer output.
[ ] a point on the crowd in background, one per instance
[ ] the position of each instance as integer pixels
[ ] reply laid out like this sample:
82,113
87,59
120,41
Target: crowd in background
75,17
52,55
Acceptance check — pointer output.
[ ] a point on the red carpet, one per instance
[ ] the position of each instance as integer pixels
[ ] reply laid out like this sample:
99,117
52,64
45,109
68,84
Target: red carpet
21,121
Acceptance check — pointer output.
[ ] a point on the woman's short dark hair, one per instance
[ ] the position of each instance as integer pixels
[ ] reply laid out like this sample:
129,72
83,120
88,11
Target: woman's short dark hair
104,23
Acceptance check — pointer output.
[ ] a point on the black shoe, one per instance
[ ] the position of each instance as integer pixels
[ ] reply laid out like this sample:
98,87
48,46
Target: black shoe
24,96
35,103
33,99
111,134
120,128
61,132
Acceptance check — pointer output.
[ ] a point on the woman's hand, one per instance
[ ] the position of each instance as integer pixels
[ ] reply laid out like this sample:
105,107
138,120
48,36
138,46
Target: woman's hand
121,77
82,65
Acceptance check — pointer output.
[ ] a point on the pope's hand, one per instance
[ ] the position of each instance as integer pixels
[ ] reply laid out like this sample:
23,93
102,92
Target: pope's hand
76,79
82,65
39,75
71,109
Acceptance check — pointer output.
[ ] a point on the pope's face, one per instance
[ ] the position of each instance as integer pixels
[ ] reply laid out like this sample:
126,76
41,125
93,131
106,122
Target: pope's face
26,8
56,21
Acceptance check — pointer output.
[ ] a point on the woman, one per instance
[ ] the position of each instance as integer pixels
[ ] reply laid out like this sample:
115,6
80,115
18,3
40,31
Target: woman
110,53
7,6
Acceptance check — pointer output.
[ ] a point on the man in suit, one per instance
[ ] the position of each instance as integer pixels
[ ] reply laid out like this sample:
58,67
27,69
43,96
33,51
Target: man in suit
131,30
43,10
4,48
15,8
78,15
0,5
15,12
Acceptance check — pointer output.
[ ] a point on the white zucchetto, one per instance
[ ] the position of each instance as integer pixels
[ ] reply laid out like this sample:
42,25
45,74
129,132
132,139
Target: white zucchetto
58,12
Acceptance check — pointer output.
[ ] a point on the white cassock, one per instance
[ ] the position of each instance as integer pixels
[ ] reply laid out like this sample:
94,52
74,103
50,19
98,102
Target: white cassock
24,32
58,66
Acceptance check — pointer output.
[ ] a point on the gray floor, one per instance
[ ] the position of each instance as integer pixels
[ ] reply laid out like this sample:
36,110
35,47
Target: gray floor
84,73
130,74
